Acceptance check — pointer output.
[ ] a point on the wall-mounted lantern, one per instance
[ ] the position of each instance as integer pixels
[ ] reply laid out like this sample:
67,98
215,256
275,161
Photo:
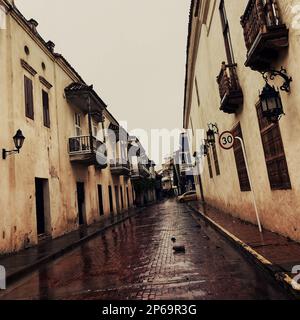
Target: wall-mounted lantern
271,104
212,131
270,99
18,141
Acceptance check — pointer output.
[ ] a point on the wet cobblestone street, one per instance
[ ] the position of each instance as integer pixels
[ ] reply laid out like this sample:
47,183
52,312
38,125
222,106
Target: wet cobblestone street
135,260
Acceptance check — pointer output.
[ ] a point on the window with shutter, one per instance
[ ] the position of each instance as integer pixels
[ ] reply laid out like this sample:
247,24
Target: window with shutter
274,153
197,92
209,164
226,33
46,113
28,88
216,160
240,160
78,130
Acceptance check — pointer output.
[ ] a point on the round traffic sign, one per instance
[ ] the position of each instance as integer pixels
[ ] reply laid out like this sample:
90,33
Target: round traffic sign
226,140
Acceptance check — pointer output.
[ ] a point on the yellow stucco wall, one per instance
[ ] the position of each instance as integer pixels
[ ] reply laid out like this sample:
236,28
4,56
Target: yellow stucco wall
45,151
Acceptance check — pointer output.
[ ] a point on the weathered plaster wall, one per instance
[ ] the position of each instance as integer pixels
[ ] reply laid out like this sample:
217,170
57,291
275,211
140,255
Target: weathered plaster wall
45,151
279,210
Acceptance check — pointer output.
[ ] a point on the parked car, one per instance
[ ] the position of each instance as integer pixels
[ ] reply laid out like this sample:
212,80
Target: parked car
188,196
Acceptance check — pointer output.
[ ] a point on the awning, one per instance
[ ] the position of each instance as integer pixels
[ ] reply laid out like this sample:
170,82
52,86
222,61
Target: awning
86,99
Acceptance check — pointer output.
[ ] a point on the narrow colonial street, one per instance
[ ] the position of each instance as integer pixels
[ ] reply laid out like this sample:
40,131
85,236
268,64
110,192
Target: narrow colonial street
135,260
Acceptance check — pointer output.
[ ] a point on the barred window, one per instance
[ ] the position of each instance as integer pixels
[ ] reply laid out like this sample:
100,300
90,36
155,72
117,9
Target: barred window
209,164
240,160
274,153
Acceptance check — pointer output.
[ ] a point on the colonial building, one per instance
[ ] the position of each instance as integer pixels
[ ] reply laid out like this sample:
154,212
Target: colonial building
167,173
183,166
59,180
242,76
143,173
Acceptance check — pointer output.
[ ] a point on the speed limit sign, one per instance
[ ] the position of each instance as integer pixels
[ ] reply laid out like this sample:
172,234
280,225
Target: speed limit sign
226,140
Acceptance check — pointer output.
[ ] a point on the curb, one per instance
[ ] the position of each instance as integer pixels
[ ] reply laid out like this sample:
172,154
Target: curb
30,268
277,274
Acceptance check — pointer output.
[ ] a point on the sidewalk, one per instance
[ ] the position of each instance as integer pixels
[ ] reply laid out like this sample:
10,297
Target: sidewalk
274,253
25,261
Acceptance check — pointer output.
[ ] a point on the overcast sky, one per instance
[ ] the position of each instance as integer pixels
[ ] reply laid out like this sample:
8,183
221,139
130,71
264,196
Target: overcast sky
133,51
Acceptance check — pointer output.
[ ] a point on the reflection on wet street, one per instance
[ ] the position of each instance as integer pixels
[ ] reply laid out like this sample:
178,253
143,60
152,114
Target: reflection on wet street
135,260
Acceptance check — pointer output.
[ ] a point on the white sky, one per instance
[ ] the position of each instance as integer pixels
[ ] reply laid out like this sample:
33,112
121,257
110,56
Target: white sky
133,51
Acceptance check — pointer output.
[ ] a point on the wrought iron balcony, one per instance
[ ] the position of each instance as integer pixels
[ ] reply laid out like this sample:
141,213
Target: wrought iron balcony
144,170
85,150
230,90
264,33
120,167
140,172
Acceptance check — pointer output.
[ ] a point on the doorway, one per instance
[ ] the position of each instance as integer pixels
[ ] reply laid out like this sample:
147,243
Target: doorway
122,199
42,199
111,204
100,199
81,203
128,200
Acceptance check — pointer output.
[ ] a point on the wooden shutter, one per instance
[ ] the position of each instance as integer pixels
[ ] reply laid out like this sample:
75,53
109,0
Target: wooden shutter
226,33
216,160
46,113
209,164
28,88
240,160
274,153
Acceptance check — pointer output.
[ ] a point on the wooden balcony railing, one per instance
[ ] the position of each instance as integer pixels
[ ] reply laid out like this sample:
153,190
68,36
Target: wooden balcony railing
264,32
229,88
120,167
140,172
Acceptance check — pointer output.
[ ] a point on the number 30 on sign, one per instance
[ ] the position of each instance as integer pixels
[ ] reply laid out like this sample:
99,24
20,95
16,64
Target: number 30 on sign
226,140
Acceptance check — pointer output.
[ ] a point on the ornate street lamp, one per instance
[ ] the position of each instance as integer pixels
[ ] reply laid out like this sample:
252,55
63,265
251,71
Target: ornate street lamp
271,104
212,131
18,141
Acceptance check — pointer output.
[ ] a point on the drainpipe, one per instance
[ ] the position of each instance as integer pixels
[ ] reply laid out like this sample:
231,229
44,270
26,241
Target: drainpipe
90,124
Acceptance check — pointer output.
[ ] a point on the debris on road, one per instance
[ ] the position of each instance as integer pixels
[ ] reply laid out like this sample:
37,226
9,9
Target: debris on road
179,249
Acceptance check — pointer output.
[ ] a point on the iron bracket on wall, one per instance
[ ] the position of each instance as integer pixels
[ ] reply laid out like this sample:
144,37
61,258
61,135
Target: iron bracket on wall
271,74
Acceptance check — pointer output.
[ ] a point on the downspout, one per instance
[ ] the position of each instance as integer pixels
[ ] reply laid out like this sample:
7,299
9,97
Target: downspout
90,124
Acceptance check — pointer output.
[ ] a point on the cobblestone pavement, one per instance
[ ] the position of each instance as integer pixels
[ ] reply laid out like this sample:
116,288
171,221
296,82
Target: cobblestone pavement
135,260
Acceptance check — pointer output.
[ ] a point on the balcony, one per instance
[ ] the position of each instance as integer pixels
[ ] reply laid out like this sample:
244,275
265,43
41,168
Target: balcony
140,172
85,99
265,35
120,168
82,151
231,93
